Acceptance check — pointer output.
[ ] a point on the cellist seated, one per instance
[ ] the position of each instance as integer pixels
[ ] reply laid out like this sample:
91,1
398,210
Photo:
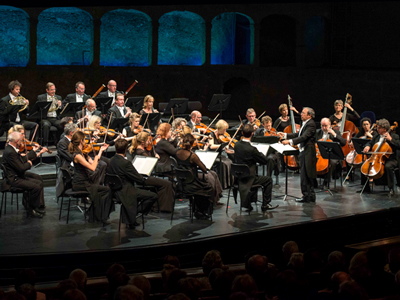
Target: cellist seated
327,133
385,135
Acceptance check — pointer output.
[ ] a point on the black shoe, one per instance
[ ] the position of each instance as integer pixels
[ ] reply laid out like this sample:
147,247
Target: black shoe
34,214
132,226
200,216
42,206
268,207
367,191
40,211
391,192
302,200
219,204
249,209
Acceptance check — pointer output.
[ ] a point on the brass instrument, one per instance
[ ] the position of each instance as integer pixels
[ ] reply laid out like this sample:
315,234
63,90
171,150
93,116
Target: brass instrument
54,104
19,100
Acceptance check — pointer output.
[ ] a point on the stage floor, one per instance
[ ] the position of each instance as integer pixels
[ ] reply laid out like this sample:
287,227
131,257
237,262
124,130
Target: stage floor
21,235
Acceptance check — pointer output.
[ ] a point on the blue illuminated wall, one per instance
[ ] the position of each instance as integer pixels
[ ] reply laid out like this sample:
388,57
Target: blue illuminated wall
181,39
314,40
232,39
125,38
64,37
14,37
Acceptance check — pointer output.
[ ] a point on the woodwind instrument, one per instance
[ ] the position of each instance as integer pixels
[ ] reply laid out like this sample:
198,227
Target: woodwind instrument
98,91
131,87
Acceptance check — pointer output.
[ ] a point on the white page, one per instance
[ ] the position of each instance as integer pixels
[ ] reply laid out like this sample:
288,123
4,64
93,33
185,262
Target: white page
207,157
144,164
281,148
262,147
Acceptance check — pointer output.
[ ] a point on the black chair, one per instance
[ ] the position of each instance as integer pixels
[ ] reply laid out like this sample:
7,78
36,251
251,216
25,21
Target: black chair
115,184
240,171
68,192
11,190
58,163
183,177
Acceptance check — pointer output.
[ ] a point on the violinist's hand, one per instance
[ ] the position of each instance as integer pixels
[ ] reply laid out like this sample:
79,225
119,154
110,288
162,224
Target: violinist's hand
203,130
44,149
206,145
35,147
104,147
229,151
128,112
30,162
157,156
366,149
281,134
285,142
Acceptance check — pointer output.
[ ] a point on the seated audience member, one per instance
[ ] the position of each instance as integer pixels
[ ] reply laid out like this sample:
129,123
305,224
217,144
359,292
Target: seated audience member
128,292
142,283
80,277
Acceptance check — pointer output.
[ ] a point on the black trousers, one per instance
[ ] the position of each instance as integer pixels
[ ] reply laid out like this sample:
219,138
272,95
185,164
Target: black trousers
28,126
46,124
34,187
264,181
306,183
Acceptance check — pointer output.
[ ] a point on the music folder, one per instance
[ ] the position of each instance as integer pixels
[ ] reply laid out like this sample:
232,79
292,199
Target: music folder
144,164
285,149
207,157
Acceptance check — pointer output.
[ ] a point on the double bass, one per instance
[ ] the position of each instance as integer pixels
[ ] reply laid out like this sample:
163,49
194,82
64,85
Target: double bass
292,128
374,166
347,128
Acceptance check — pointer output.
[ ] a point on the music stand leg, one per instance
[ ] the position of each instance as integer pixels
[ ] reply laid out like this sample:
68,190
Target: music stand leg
286,183
41,138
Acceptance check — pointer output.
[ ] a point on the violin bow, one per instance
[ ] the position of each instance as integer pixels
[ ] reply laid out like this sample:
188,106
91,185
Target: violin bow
33,136
260,116
212,122
241,124
108,126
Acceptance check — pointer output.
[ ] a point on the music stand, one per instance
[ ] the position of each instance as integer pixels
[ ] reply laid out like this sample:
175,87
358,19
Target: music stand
39,111
207,157
70,109
219,102
330,150
265,139
153,120
135,103
103,104
179,105
119,123
286,151
359,145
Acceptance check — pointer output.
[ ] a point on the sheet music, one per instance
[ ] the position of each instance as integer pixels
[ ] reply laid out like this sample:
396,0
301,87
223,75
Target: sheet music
144,164
281,148
263,148
207,157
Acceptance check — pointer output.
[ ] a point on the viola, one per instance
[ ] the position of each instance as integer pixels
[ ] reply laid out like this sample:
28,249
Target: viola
374,166
27,145
292,128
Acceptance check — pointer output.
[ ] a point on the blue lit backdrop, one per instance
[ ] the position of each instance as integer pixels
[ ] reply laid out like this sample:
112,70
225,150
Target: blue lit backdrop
64,37
181,39
125,38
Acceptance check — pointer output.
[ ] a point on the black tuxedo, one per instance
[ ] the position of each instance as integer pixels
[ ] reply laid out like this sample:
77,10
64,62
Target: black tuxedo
71,98
115,114
78,115
17,176
105,95
9,119
47,122
247,154
307,157
129,195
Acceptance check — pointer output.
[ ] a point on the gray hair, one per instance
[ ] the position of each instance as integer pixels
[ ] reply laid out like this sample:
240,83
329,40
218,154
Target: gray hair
70,127
311,112
14,136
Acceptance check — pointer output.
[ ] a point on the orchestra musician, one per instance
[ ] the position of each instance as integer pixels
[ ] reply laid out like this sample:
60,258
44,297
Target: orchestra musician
247,154
195,119
111,91
364,131
64,121
78,96
305,139
327,132
351,115
100,196
90,110
250,119
391,163
284,120
148,106
17,166
130,195
274,157
52,116
119,110
165,148
215,142
9,120
133,129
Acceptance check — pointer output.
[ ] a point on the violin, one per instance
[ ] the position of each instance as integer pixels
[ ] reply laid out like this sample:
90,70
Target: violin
374,166
139,129
103,131
27,145
203,126
226,138
271,132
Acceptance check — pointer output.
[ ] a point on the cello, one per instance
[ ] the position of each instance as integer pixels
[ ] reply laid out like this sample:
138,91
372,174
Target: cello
322,163
292,128
357,159
347,128
374,166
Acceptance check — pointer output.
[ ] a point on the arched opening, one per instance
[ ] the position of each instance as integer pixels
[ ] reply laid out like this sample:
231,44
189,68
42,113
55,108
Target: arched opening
125,38
64,37
181,39
315,41
232,39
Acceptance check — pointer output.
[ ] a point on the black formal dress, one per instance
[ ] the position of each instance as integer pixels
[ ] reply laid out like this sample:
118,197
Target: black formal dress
223,165
100,196
66,163
305,139
16,167
165,149
52,119
130,195
249,155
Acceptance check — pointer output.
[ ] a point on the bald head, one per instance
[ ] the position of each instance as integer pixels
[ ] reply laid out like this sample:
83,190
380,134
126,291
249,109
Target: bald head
112,86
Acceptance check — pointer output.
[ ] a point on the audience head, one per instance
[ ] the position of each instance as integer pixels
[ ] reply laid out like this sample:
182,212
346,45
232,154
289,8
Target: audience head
352,290
165,272
190,286
358,268
28,291
212,260
289,248
223,283
178,296
25,276
172,260
246,284
114,269
337,279
80,277
128,292
257,265
143,284
14,295
213,275
63,286
117,280
74,294
173,280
